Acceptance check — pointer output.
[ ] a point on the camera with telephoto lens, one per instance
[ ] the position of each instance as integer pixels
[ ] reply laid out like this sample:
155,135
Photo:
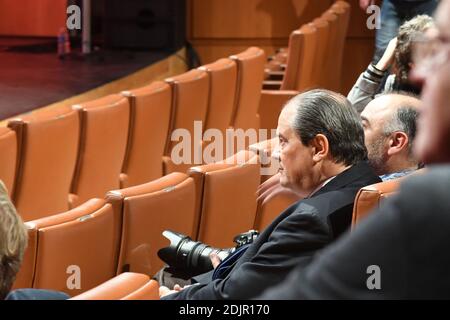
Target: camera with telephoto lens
192,257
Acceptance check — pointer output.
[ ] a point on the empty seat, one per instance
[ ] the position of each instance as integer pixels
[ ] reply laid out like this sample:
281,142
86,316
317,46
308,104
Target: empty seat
125,286
273,199
104,136
48,146
250,64
226,194
150,115
189,104
222,91
73,251
371,197
8,157
148,210
320,73
342,9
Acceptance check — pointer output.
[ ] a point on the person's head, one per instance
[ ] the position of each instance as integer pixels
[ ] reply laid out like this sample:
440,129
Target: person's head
389,123
407,33
13,241
320,134
432,69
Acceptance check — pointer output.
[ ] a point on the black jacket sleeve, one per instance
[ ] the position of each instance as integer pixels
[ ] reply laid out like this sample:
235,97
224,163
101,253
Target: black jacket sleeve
292,243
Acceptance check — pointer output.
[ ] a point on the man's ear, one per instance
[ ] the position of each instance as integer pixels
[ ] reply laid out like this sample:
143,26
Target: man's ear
321,147
398,142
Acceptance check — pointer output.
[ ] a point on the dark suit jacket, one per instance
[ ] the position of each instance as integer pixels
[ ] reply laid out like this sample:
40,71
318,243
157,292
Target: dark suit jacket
408,238
290,240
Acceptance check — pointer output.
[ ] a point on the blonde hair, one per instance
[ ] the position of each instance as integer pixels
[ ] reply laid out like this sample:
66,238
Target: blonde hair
13,241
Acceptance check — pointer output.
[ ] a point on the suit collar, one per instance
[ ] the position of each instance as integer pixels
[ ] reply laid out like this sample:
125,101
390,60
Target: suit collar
346,177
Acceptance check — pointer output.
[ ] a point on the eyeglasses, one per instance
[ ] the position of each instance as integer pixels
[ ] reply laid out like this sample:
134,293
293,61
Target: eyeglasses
429,53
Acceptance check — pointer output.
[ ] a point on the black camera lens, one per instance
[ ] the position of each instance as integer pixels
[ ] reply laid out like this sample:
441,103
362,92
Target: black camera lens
188,255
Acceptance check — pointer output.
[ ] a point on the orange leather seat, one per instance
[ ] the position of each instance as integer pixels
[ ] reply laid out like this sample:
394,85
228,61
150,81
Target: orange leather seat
222,91
125,286
189,104
371,197
148,210
81,242
104,136
301,55
320,74
226,194
8,158
272,200
48,147
250,64
150,116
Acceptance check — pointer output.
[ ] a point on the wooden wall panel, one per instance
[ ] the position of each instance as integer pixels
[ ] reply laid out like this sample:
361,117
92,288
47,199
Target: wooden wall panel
219,28
32,17
252,18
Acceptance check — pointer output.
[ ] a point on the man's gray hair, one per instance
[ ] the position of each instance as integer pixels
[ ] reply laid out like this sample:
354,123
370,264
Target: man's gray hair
329,113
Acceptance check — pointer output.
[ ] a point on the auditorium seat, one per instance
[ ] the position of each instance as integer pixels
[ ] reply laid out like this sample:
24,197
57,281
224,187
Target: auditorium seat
8,158
104,136
222,91
80,244
125,286
342,9
47,149
250,67
226,193
371,197
272,200
320,73
299,75
300,65
264,149
149,124
189,103
148,210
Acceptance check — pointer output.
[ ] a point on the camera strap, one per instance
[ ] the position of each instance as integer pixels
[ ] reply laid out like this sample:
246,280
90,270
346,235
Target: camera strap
228,263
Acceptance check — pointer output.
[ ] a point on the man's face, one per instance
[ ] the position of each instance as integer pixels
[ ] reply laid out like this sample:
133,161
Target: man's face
296,163
433,138
374,119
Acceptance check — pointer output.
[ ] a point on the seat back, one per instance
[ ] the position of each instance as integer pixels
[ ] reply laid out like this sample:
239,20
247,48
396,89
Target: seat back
149,124
320,74
125,286
76,250
148,209
342,10
250,66
330,55
271,204
8,158
189,104
104,136
48,146
299,74
371,197
222,91
226,194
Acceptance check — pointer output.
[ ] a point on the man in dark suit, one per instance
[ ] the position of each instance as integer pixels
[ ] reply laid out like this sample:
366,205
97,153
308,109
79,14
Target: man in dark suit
322,156
402,250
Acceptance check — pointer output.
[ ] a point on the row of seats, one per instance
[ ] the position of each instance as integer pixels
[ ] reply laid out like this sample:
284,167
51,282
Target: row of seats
312,60
123,231
314,55
54,160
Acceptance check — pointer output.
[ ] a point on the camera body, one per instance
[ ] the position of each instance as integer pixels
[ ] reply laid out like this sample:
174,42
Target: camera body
192,257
